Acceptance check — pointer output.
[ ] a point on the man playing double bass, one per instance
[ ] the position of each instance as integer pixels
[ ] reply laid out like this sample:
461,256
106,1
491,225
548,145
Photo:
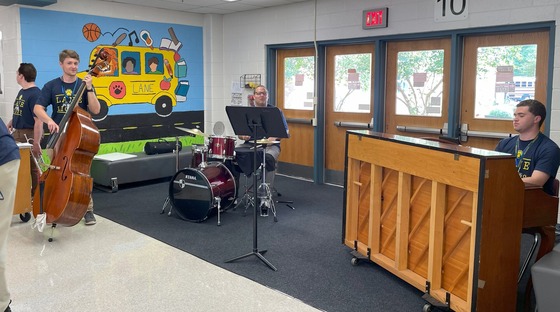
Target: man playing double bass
59,93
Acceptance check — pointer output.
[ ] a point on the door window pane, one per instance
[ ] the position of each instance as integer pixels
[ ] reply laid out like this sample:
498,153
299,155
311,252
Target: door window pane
352,81
505,76
420,83
299,83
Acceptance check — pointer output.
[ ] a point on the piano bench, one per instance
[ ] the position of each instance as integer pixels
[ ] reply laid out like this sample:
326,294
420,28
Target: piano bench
546,278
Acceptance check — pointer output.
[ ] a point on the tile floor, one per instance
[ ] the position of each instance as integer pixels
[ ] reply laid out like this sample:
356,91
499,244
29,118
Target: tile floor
108,267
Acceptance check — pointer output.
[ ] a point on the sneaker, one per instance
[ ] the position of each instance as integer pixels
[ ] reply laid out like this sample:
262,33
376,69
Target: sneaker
89,218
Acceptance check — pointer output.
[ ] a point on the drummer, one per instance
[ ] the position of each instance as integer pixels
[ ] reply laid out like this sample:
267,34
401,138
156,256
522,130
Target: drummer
260,95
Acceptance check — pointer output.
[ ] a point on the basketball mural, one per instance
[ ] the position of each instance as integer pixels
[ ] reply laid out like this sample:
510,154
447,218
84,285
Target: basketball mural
91,32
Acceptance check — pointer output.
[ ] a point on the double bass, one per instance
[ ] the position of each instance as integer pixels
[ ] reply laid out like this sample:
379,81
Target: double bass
65,187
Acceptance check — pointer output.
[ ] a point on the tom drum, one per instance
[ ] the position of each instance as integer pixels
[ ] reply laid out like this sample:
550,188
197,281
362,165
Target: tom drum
221,147
199,155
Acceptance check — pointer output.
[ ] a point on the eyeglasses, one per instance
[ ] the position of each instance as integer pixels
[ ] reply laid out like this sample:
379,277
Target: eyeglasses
260,93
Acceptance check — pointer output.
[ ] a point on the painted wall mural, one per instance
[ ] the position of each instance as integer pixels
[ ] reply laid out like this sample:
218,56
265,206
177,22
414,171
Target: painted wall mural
155,79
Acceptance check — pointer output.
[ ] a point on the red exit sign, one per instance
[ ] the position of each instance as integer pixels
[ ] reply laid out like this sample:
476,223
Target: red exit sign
375,18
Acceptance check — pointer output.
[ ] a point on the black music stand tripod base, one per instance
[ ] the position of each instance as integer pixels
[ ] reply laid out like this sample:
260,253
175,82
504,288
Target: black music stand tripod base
258,254
258,122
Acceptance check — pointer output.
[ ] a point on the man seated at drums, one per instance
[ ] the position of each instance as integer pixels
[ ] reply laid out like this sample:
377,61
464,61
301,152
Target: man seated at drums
272,151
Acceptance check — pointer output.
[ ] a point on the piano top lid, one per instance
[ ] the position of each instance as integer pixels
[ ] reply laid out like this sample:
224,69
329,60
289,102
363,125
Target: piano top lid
445,147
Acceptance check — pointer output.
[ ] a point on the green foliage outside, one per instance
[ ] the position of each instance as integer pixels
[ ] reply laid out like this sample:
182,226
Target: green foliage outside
497,113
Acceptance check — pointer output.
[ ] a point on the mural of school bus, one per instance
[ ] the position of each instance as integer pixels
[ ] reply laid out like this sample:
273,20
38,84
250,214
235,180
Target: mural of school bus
140,75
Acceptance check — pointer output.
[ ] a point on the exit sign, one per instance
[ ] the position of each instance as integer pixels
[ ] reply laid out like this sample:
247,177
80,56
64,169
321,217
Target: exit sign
375,18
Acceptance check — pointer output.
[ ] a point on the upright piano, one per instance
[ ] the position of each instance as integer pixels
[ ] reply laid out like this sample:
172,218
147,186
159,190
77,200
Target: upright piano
445,218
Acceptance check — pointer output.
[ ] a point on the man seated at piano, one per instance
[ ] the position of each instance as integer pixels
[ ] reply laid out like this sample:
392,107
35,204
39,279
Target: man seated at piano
537,157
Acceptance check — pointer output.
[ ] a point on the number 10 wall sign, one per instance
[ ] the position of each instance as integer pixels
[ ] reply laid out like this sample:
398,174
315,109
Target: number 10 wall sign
450,10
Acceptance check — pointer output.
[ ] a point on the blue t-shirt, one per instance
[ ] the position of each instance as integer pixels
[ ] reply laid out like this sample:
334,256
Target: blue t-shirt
23,117
60,94
539,154
8,148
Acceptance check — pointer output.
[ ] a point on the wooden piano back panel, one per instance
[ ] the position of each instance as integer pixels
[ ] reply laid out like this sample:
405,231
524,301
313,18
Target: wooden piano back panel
419,225
433,215
364,202
457,241
388,223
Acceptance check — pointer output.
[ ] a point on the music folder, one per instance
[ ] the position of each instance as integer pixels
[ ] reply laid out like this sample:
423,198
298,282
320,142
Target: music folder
268,121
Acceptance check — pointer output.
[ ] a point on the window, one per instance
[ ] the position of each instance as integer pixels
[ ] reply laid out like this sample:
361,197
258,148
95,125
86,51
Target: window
299,82
352,83
420,83
505,76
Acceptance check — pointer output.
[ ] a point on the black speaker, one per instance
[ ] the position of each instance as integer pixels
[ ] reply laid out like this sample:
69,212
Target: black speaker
160,147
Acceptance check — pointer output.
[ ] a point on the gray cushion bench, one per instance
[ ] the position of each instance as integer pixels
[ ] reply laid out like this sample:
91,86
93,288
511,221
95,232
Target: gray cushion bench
108,174
546,278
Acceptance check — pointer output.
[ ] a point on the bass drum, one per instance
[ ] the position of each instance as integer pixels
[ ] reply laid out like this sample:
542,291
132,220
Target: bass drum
195,192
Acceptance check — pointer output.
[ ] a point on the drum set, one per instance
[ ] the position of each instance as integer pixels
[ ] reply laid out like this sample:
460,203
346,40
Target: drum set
207,187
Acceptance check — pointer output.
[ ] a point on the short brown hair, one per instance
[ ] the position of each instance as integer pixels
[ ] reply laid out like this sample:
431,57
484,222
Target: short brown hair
64,54
535,107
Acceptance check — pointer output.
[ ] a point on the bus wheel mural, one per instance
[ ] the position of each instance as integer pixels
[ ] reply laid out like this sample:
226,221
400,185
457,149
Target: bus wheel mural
102,112
164,106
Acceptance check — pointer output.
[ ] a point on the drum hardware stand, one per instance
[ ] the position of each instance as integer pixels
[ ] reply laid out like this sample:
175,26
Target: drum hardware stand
247,199
247,120
167,199
265,195
218,199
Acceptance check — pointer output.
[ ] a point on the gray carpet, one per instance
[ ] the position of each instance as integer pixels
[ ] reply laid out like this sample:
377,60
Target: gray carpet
305,245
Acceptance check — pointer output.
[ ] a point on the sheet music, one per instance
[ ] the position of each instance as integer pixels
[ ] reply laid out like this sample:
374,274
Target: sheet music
114,156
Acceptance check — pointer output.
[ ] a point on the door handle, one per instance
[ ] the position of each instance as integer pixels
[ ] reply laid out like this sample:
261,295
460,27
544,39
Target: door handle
465,133
485,134
420,130
351,124
304,121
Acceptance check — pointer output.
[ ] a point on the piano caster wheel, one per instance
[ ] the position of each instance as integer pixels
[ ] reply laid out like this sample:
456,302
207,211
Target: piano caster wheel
355,261
25,217
427,308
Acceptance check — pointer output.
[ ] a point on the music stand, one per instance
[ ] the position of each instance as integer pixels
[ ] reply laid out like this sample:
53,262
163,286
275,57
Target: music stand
258,122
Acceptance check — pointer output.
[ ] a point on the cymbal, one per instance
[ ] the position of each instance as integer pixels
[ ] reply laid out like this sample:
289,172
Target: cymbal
193,131
266,141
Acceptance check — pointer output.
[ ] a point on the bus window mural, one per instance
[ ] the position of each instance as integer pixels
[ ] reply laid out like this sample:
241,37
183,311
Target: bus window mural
153,72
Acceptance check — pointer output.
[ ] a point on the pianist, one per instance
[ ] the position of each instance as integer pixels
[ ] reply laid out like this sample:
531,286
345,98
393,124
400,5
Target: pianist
537,156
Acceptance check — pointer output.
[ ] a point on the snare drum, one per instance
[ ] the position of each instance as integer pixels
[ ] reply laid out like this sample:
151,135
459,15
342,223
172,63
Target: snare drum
221,147
194,193
199,155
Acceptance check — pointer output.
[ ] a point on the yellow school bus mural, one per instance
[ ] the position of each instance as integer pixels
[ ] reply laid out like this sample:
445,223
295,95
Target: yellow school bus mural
139,75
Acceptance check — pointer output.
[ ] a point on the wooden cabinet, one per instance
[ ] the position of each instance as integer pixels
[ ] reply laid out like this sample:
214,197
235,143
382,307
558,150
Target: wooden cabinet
23,191
446,219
